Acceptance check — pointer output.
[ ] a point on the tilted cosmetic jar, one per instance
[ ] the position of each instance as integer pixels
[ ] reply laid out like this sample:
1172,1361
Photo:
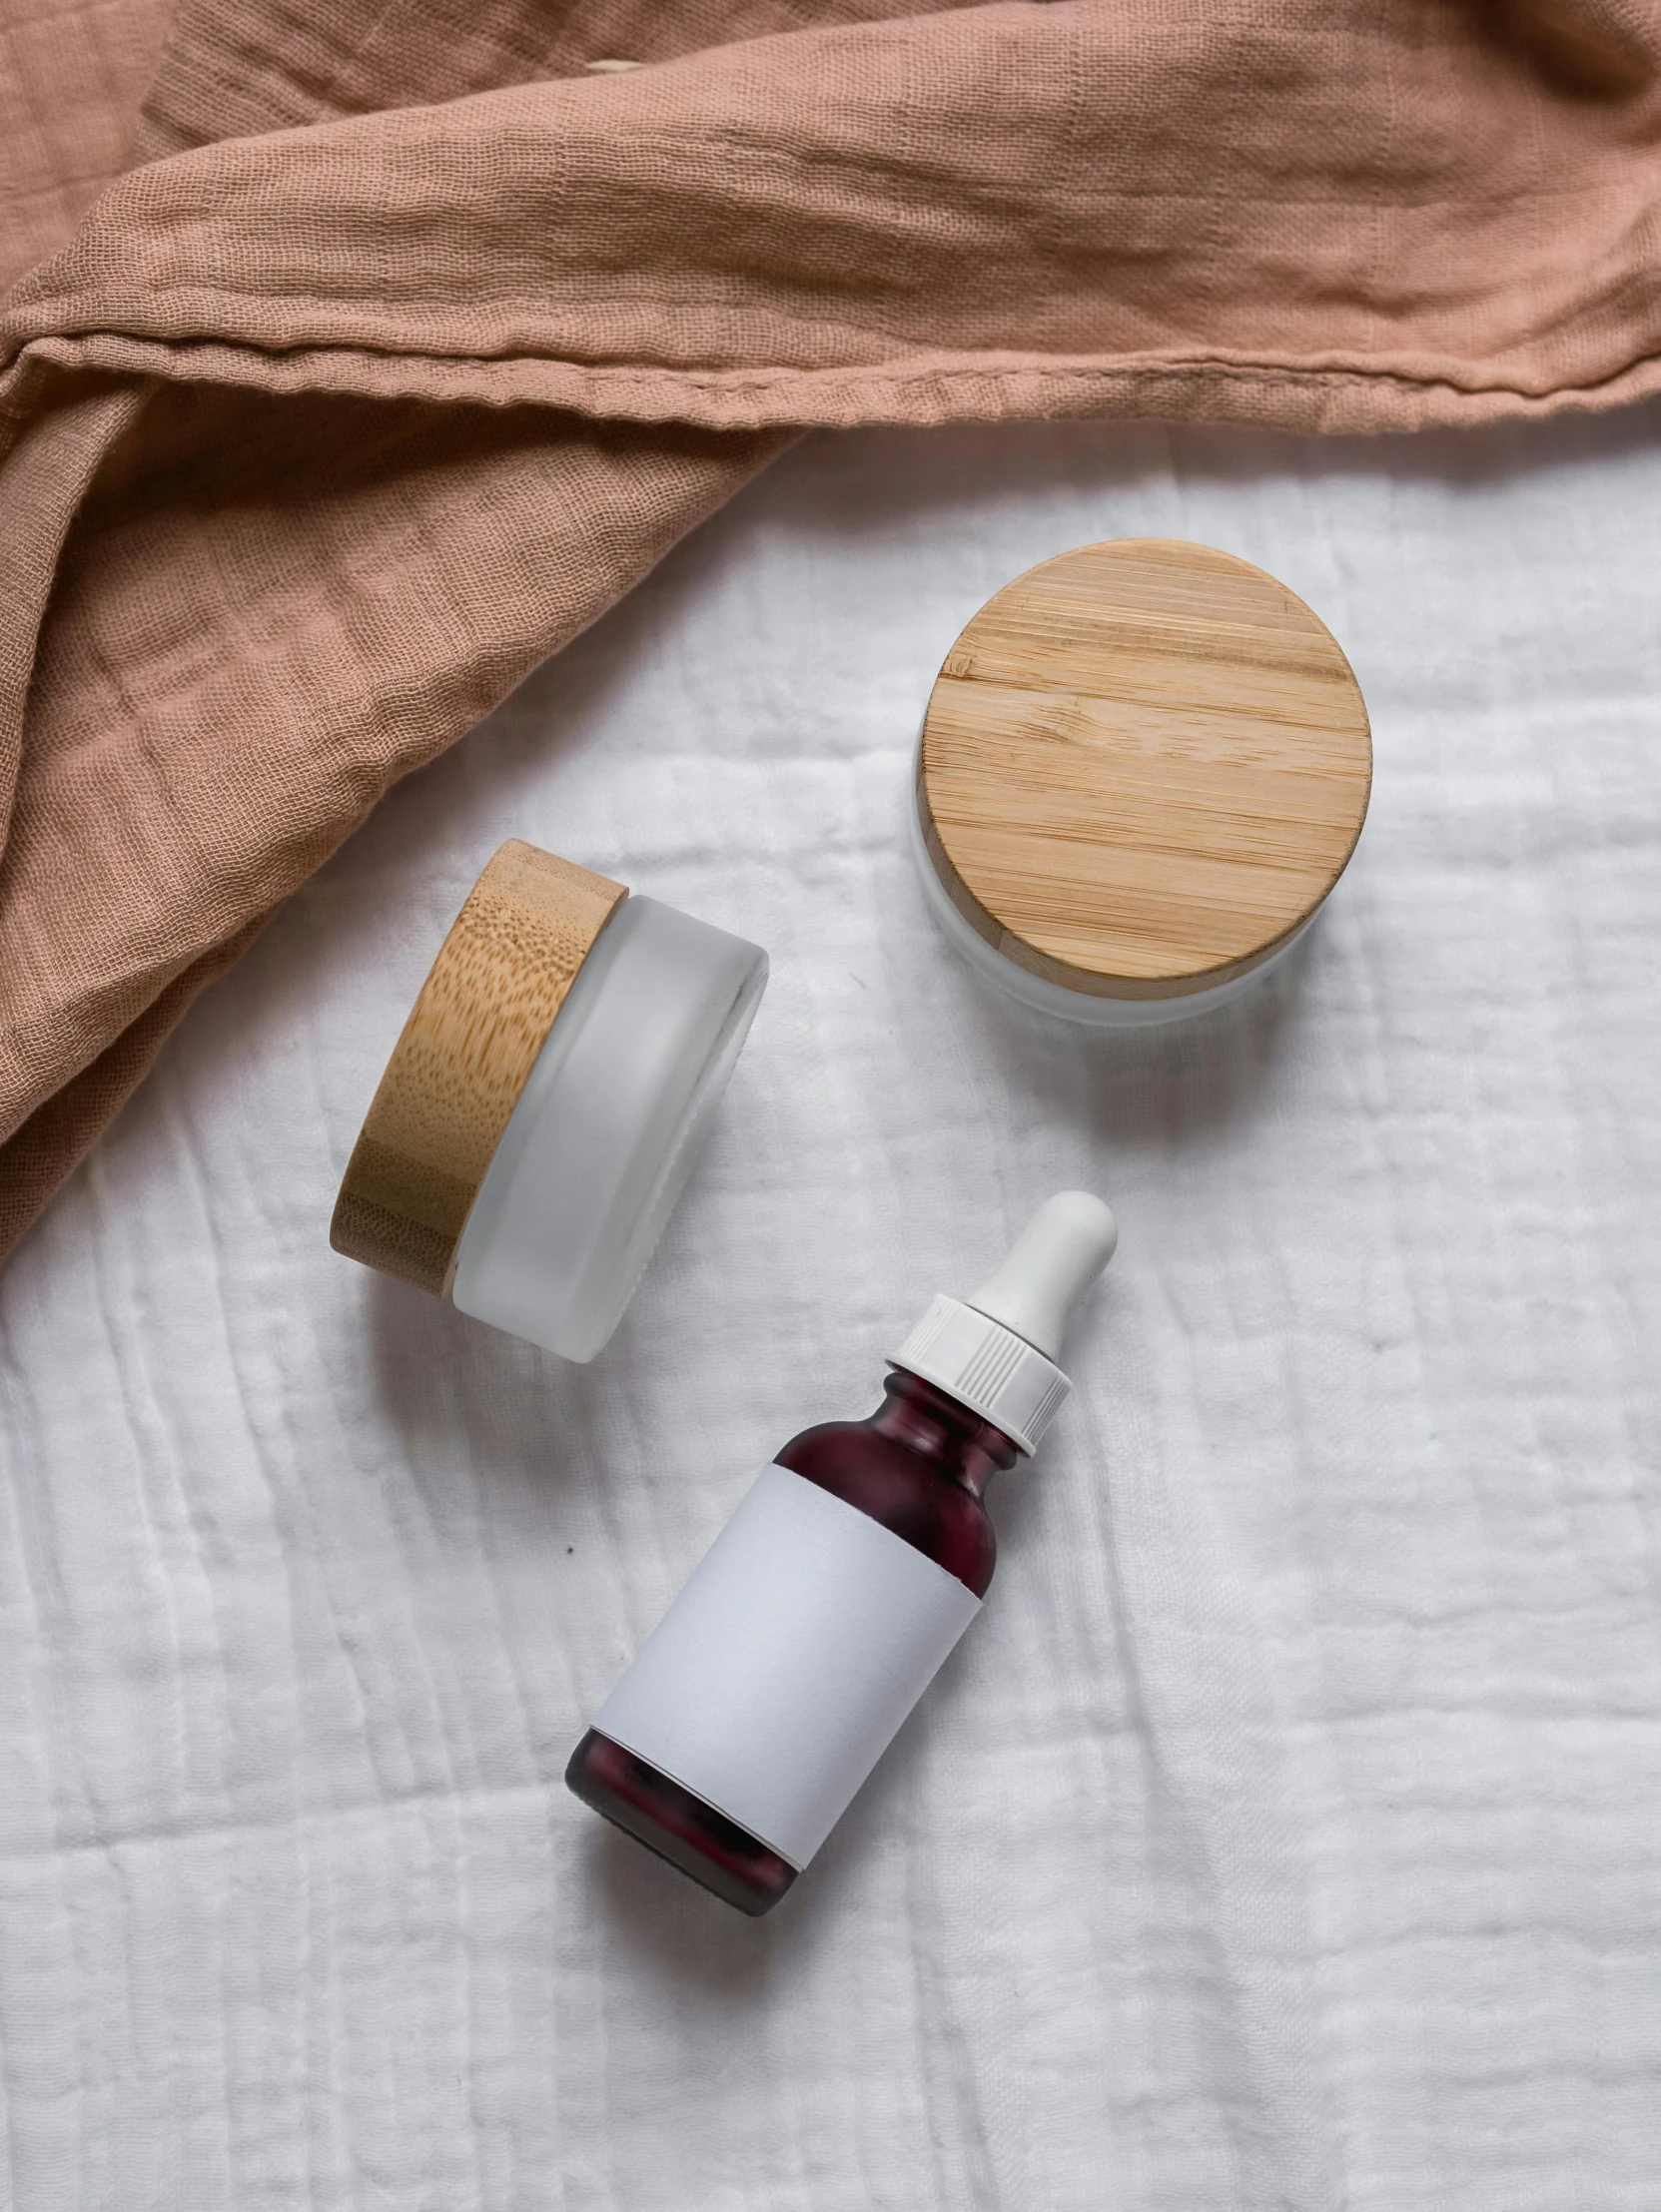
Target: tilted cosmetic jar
547,1100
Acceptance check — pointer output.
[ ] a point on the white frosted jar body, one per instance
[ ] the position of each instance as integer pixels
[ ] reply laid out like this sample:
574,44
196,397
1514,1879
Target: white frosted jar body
607,1128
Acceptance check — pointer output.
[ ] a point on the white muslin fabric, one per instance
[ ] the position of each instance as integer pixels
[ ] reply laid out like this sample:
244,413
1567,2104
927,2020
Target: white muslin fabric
1285,1836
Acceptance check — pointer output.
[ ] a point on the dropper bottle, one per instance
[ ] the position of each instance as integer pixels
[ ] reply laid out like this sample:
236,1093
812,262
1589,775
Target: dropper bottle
781,1673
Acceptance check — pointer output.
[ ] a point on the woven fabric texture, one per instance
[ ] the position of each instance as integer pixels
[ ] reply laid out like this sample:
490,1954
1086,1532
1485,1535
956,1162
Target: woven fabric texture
413,339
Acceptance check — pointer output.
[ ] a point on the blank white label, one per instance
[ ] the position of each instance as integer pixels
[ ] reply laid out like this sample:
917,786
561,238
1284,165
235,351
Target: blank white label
779,1676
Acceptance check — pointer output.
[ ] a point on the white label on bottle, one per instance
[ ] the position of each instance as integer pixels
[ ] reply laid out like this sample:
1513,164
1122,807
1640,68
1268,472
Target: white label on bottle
780,1675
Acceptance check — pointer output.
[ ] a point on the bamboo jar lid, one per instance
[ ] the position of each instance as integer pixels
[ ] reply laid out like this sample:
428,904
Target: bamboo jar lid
1144,766
463,1057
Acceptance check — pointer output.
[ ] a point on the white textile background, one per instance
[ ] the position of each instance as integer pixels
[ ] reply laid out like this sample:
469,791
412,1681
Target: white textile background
1285,1833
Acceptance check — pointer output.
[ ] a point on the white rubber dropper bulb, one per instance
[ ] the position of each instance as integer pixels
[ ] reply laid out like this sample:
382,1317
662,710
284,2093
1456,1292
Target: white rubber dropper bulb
1046,1270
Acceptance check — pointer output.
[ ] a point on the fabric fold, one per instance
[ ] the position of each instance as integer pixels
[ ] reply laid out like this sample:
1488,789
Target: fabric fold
911,220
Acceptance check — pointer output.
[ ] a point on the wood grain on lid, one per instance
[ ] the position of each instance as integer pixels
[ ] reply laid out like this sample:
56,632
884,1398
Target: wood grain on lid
456,1072
1144,765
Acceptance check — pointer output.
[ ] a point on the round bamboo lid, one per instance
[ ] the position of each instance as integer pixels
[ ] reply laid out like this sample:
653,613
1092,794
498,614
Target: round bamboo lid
456,1072
1144,765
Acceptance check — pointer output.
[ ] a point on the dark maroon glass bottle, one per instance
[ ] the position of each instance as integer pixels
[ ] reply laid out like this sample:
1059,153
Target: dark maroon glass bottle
805,1638
919,1466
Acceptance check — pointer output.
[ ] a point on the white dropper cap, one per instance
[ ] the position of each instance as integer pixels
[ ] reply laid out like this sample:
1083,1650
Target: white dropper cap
996,1351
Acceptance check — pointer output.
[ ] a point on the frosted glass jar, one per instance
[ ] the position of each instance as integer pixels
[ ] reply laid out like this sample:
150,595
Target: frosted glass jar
1144,766
547,1099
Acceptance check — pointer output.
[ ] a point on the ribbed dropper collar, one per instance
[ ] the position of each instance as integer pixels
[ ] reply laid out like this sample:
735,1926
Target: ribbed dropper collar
997,1350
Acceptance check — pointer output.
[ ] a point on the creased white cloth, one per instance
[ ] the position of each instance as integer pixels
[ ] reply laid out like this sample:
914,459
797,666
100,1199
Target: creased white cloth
1285,1835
